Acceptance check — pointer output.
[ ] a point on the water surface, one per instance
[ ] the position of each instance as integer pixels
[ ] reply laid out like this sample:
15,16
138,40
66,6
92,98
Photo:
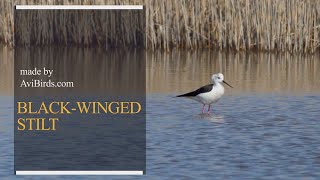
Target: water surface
266,127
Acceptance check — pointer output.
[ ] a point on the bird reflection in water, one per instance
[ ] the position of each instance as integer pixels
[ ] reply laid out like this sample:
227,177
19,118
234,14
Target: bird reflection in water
210,117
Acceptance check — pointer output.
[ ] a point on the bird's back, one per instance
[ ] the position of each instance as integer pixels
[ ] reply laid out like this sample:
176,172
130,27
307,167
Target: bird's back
212,96
203,89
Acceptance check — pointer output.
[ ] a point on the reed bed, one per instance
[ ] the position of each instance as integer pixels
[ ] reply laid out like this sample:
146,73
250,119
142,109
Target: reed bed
81,28
280,25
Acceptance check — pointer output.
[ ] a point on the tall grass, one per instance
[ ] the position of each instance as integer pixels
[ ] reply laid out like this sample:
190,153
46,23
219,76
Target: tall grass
81,28
281,25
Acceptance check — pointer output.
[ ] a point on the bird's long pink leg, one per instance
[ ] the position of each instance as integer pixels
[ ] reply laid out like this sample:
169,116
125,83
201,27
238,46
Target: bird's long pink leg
203,108
209,109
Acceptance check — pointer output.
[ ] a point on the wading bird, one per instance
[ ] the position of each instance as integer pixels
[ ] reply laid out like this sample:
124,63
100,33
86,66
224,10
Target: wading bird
210,93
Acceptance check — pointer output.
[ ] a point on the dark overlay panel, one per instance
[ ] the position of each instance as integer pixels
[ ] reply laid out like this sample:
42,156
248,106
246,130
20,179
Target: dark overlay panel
79,107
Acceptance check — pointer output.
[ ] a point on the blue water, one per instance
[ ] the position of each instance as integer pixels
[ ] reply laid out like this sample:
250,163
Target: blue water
247,136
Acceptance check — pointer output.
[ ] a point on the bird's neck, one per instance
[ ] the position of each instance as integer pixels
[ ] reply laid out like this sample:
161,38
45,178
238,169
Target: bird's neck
218,85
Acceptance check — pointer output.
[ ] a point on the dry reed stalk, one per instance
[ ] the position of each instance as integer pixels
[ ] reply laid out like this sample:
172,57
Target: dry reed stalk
282,25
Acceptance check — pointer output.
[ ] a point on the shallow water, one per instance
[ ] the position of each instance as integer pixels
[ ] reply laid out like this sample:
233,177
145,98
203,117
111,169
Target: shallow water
246,136
266,127
249,73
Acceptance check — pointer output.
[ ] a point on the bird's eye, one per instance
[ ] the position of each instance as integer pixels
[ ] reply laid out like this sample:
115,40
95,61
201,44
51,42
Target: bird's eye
218,77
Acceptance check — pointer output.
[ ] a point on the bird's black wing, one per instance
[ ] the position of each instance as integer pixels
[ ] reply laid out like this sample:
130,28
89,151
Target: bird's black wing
203,89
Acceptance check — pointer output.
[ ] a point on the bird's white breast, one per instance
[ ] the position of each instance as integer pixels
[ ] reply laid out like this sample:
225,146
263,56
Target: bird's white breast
212,96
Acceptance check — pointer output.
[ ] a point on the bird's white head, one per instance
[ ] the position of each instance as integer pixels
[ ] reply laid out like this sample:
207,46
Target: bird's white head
219,78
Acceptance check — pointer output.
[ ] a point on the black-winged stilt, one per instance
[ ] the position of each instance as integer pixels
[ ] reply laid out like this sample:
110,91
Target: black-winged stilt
210,93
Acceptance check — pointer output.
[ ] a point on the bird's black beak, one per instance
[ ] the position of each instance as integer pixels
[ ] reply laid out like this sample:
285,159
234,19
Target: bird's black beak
227,84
